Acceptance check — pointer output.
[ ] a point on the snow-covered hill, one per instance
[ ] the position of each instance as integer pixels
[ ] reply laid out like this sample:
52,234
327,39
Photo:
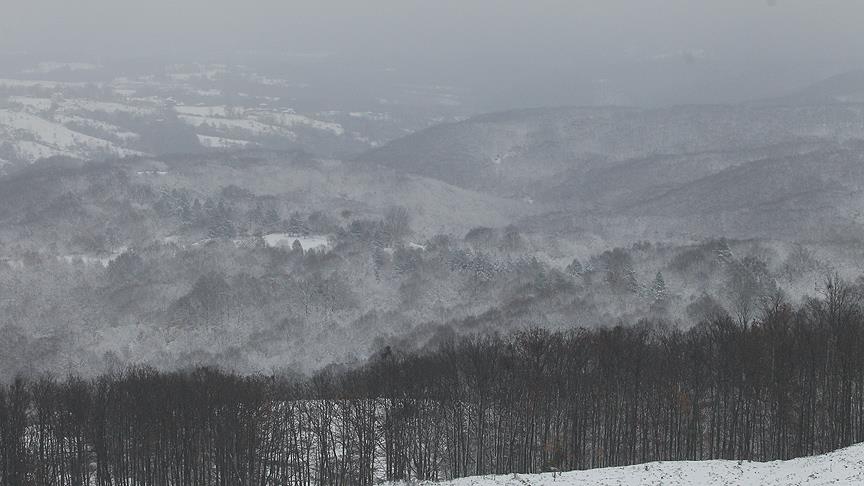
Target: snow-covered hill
30,137
845,466
49,110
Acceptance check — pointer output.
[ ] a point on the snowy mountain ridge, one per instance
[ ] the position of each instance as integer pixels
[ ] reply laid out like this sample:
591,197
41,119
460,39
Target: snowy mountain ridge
844,466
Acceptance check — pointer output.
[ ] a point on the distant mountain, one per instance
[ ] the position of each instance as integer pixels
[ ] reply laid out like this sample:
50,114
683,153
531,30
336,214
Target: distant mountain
843,88
524,153
817,195
621,184
692,171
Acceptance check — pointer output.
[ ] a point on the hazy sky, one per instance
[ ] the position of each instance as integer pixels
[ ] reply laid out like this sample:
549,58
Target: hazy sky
599,43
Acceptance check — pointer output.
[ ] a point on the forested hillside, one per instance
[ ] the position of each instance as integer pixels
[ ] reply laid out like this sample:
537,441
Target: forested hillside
787,384
263,261
305,243
786,171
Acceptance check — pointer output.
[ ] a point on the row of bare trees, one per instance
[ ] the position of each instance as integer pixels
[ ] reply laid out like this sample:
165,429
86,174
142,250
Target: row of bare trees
786,384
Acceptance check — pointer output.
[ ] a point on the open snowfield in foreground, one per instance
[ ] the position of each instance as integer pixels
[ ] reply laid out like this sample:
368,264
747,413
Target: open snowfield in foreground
845,466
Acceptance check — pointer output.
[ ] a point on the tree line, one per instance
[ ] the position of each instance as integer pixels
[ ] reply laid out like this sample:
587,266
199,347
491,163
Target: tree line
789,382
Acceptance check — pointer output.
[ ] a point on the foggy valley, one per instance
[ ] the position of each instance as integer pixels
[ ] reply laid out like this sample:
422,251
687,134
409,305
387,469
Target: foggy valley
411,242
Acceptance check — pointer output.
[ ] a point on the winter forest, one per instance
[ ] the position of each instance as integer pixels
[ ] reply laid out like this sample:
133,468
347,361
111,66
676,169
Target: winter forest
787,384
431,243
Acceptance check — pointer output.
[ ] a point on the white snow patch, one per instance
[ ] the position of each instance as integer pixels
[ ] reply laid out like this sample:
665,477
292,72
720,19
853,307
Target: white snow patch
30,104
289,119
207,92
215,111
102,259
286,240
105,127
125,91
236,124
33,151
845,466
260,118
267,81
79,105
32,83
34,138
221,142
51,66
370,115
362,139
210,72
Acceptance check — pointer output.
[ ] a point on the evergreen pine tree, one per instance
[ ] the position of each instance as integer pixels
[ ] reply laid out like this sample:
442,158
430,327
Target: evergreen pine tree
659,290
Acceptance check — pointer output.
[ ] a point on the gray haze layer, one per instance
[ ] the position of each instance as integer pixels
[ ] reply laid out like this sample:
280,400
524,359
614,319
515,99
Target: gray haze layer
510,53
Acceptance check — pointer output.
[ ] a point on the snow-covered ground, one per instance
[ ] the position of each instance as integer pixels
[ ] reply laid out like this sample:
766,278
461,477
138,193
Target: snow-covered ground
290,119
108,130
140,108
285,240
255,121
48,110
32,137
252,128
845,466
43,118
52,66
39,84
204,111
31,104
221,142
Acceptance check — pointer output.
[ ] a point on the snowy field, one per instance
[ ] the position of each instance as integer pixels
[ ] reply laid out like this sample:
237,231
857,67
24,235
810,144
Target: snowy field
286,240
93,120
845,466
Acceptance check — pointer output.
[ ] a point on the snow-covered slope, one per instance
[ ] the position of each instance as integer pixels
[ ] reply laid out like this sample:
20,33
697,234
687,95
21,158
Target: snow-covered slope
32,137
253,122
83,110
845,466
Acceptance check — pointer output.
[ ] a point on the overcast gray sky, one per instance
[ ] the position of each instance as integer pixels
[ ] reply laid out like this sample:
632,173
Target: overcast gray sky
481,41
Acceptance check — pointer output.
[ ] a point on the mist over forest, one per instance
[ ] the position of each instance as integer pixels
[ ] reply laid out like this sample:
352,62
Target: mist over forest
338,243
